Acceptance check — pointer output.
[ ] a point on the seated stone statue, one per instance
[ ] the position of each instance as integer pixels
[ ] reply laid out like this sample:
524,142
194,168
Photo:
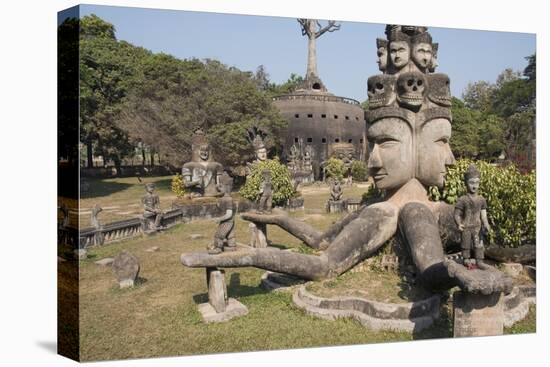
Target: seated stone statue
151,208
201,175
336,191
224,238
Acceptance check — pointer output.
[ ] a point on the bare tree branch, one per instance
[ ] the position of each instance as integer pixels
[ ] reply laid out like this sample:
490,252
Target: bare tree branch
330,27
305,26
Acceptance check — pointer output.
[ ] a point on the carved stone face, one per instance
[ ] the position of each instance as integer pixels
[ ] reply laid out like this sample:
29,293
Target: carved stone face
411,87
433,152
473,185
204,152
422,55
261,154
381,90
399,53
382,61
439,91
390,153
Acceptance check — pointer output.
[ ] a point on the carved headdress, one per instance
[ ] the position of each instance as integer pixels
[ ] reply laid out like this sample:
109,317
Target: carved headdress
256,137
471,172
199,138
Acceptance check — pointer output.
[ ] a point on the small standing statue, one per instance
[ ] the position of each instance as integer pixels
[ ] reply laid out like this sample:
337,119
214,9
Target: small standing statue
266,192
471,216
224,238
336,191
151,207
256,137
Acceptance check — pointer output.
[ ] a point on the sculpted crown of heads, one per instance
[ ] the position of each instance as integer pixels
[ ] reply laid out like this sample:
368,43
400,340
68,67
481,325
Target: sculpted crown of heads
409,116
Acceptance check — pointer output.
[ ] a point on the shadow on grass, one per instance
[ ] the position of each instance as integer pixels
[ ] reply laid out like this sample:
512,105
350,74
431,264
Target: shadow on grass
101,187
164,184
442,327
234,289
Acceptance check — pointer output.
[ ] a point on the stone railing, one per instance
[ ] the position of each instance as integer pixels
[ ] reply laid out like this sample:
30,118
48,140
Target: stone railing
314,97
128,228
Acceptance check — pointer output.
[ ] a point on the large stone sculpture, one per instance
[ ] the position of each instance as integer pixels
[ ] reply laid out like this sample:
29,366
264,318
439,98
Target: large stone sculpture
201,175
409,151
471,216
266,193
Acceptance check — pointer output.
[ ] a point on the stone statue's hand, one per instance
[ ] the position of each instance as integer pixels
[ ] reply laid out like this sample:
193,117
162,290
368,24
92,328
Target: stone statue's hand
461,227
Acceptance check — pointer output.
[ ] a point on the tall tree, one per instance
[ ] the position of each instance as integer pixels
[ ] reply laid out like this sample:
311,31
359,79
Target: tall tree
313,29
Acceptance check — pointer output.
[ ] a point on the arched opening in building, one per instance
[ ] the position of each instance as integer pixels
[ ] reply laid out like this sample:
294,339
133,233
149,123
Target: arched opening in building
316,86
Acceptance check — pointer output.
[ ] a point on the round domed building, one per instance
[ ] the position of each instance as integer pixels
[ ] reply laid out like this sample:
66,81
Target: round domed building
320,123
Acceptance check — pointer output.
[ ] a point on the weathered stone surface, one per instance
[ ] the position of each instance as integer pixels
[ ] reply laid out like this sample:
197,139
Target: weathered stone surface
410,317
478,314
217,290
531,272
336,206
126,269
233,309
276,281
523,254
516,305
196,236
512,269
105,262
258,235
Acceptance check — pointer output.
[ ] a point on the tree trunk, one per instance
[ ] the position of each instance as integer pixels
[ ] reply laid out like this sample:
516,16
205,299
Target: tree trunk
312,58
143,157
152,158
89,154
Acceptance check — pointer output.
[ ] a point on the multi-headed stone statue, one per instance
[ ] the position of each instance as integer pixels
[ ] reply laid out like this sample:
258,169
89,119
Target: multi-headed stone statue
409,128
151,208
224,238
471,218
201,175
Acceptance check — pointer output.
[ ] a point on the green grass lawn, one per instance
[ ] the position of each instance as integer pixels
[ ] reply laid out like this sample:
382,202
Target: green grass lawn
159,316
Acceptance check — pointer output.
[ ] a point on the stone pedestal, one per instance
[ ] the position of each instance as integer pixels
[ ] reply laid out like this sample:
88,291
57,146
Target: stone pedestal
352,205
219,307
258,235
478,314
336,206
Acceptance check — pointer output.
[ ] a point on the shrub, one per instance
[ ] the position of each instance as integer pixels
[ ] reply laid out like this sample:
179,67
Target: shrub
510,195
177,186
359,171
335,169
280,180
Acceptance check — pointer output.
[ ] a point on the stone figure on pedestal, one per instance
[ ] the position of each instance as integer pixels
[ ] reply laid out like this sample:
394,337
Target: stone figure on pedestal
201,175
471,218
151,208
224,238
336,191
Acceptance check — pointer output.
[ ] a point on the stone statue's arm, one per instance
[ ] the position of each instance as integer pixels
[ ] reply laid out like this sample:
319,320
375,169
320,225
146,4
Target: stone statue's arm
228,215
188,178
484,220
458,218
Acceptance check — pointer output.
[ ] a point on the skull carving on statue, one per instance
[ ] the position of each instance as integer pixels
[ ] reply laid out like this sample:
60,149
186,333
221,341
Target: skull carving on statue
381,90
411,88
439,91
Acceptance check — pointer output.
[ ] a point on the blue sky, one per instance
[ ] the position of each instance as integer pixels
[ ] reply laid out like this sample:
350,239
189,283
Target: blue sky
346,58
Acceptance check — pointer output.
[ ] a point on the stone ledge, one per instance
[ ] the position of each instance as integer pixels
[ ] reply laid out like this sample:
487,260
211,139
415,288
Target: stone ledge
410,317
517,303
